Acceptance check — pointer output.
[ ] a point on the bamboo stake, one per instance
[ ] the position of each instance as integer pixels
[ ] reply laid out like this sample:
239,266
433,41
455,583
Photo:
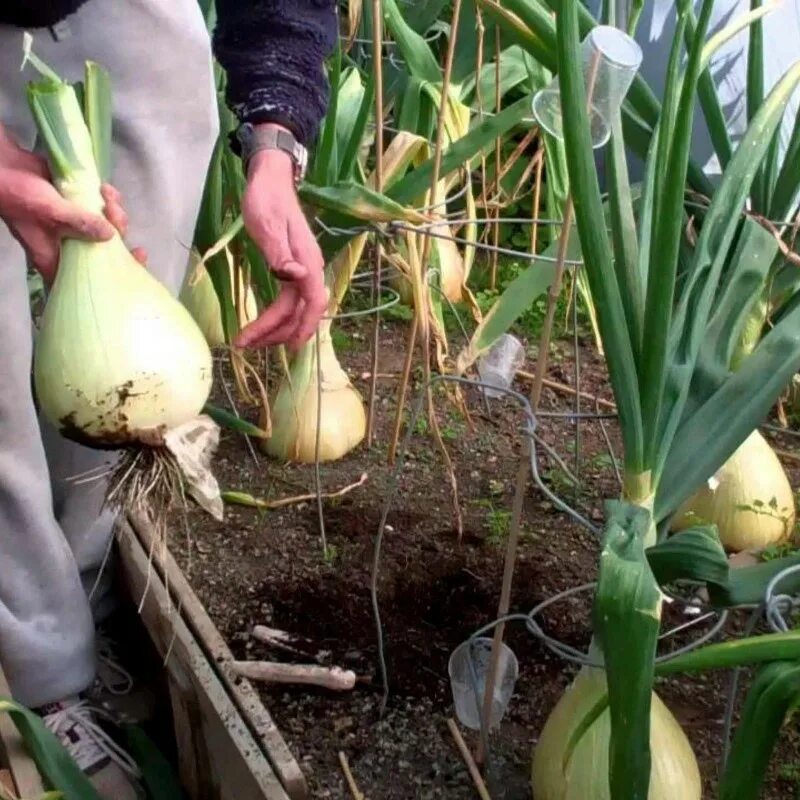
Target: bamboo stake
348,776
426,252
377,59
498,155
424,312
474,772
537,200
521,482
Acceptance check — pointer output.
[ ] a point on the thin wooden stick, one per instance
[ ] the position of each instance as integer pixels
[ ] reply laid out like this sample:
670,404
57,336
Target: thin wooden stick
537,199
422,313
377,59
334,678
498,155
348,776
562,387
521,482
474,772
426,251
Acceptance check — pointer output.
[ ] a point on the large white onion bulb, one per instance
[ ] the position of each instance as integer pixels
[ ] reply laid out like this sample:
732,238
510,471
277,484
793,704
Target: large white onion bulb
750,500
584,775
294,409
118,359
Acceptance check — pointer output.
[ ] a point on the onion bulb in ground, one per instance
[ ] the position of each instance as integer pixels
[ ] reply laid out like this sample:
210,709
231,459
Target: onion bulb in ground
294,409
200,298
583,774
750,500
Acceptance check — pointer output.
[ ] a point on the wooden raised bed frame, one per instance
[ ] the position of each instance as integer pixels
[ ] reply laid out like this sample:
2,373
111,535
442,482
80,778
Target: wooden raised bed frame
229,748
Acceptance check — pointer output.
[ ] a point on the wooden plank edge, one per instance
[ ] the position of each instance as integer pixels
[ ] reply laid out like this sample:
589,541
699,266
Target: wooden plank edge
14,754
244,694
171,636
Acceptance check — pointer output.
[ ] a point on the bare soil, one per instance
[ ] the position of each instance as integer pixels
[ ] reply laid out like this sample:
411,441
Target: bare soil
268,568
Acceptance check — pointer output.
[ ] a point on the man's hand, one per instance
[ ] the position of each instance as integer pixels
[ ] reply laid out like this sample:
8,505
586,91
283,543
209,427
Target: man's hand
274,218
39,218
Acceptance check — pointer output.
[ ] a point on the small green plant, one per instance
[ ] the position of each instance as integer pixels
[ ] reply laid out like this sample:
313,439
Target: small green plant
560,481
779,551
342,341
497,522
331,554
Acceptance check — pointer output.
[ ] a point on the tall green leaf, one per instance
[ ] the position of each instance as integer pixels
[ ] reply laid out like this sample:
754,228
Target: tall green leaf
416,52
672,163
480,139
775,693
595,245
97,111
787,184
709,103
706,439
741,287
711,253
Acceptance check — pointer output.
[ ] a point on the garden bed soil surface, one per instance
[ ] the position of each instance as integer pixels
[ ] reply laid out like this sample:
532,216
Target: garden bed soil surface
268,568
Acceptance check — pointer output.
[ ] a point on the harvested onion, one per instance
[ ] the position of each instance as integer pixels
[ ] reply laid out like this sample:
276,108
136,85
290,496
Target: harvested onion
750,500
583,773
118,360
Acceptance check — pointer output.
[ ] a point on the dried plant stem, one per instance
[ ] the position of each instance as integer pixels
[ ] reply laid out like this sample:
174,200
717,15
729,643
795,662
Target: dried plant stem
377,59
562,387
474,772
348,776
426,251
403,389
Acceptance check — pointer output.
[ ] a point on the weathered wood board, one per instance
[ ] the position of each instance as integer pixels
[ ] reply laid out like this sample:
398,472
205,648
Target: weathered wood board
242,692
218,757
14,757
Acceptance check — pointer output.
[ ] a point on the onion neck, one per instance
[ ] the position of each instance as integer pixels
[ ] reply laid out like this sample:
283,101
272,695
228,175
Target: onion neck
83,190
638,490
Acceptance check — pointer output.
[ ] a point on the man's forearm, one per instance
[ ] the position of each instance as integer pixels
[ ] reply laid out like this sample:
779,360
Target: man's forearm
273,52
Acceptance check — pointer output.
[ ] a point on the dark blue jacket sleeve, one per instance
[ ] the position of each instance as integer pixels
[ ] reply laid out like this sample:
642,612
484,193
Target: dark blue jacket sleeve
273,52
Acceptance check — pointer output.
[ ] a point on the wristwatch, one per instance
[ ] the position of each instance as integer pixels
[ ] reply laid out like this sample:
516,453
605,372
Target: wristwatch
252,140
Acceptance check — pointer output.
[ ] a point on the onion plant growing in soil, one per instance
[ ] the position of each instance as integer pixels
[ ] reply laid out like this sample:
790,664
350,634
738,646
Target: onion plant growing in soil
667,311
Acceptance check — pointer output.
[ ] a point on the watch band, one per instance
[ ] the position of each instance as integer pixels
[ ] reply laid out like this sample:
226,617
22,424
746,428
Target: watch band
252,140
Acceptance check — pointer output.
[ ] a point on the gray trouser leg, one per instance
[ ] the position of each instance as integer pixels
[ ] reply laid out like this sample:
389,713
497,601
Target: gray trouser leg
53,535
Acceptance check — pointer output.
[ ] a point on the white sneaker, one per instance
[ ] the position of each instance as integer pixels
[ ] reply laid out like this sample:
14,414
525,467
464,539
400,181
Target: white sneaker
114,689
110,769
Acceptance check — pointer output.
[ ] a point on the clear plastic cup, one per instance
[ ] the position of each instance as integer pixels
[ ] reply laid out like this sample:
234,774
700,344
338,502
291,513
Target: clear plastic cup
611,60
469,682
500,364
